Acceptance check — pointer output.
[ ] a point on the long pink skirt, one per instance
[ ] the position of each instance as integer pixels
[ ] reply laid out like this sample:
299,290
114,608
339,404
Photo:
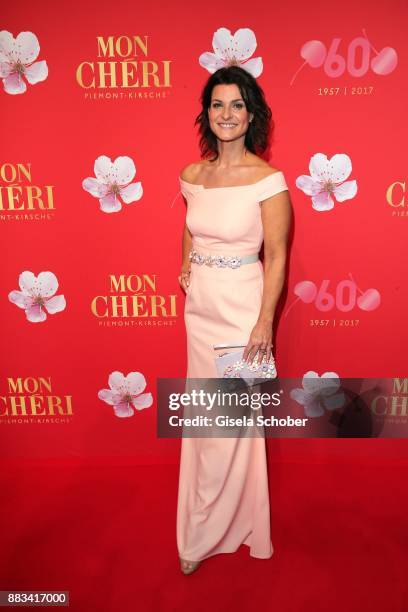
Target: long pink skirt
223,497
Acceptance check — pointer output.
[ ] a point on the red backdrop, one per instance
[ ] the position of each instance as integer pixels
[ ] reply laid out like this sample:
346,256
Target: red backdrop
342,95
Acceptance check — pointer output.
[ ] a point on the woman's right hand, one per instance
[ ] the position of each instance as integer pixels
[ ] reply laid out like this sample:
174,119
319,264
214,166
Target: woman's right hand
184,279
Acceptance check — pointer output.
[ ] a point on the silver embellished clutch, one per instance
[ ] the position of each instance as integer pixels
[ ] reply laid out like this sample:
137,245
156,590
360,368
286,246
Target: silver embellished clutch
230,364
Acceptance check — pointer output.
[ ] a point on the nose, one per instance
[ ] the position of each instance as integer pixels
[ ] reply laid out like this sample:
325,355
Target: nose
226,114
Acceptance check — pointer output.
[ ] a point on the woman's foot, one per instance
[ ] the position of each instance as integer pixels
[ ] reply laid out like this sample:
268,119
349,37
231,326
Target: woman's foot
188,567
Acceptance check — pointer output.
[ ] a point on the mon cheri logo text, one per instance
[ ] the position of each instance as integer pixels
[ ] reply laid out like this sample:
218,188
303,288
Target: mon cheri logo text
123,69
134,300
31,400
20,199
396,198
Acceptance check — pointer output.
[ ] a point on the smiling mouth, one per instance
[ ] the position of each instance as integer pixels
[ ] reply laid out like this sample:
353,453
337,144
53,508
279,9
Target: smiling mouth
227,125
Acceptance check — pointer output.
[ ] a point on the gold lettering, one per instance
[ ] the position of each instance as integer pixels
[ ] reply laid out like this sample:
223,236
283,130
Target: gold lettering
374,403
123,45
139,302
152,72
28,385
94,308
129,70
110,73
14,196
118,46
390,194
31,196
9,173
79,75
116,307
397,402
400,386
134,306
121,284
103,47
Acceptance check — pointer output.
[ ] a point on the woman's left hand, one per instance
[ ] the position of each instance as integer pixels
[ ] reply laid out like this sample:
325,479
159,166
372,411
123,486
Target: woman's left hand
260,341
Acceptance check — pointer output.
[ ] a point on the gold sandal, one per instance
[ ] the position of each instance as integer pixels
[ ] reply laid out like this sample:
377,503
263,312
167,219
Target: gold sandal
188,567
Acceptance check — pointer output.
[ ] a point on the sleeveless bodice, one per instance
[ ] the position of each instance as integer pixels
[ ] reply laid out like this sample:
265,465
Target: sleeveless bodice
228,219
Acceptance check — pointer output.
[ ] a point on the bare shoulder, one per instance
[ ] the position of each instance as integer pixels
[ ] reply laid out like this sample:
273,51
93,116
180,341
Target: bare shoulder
189,173
261,168
266,169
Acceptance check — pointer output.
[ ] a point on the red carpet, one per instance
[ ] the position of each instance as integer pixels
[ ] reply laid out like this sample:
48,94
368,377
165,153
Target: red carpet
106,533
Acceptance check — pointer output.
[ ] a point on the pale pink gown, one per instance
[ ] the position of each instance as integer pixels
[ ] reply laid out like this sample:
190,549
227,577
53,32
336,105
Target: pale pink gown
223,497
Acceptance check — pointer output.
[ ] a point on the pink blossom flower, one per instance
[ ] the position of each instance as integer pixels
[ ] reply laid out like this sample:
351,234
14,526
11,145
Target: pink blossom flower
327,179
16,60
113,179
37,295
125,393
232,50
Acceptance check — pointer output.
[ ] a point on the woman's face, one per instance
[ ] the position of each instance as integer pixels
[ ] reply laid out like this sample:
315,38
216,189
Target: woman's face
228,115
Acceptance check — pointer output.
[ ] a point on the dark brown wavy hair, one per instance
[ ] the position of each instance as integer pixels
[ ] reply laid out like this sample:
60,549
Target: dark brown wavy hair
260,128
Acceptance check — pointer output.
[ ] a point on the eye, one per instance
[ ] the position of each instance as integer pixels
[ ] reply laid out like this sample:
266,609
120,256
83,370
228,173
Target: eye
238,105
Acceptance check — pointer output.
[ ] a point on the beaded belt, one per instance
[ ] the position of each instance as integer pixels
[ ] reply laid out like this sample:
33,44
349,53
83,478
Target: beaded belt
222,261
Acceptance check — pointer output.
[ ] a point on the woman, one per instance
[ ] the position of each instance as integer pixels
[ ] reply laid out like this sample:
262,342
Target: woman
235,200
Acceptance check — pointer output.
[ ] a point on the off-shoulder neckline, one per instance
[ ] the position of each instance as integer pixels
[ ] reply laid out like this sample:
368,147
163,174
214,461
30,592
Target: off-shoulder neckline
231,186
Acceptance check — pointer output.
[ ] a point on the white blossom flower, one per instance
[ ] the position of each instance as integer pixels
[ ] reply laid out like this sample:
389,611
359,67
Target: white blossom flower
319,393
230,50
37,295
16,60
125,393
113,180
328,178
